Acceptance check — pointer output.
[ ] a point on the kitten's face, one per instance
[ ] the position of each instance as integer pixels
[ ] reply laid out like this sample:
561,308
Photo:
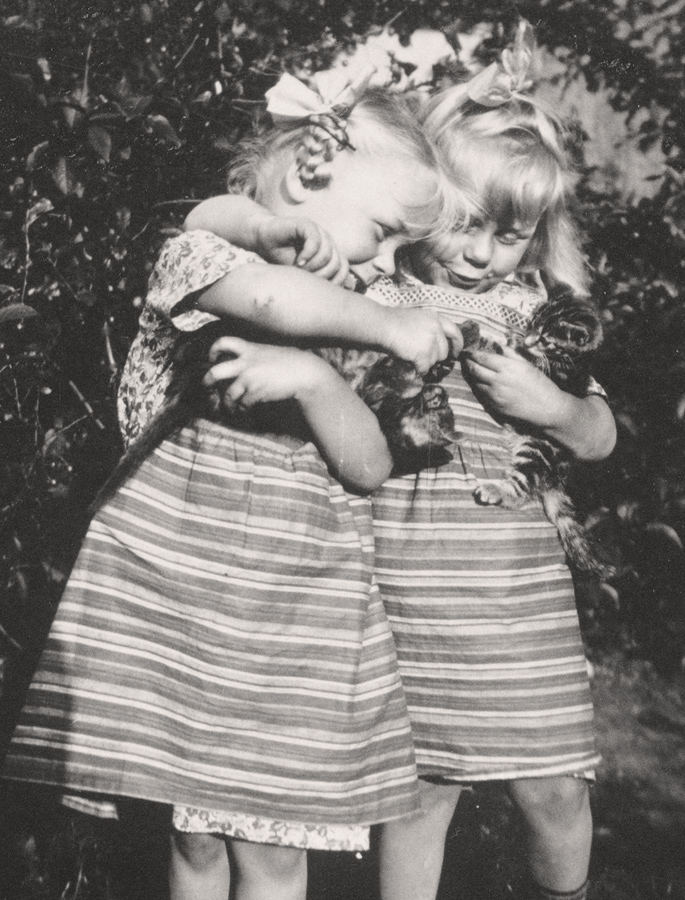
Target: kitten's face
414,412
565,322
563,332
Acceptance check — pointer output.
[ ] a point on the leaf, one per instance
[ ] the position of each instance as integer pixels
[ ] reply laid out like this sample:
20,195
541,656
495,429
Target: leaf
223,13
669,535
609,594
35,156
161,128
44,67
123,218
680,409
38,209
87,298
101,141
64,177
130,103
16,312
628,423
8,254
75,107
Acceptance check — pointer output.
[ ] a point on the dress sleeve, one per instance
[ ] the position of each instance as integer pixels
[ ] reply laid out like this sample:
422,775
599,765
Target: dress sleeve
190,263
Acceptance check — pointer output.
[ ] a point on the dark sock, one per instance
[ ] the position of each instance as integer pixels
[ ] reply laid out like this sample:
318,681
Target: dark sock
537,892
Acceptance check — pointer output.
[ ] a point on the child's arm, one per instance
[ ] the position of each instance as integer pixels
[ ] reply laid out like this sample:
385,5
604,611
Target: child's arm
280,300
282,240
343,428
511,387
284,301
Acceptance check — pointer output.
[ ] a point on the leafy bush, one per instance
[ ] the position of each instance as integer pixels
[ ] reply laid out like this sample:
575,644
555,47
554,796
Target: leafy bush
117,115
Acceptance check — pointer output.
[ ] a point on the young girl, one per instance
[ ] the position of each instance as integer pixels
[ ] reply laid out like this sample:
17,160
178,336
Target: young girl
480,599
221,644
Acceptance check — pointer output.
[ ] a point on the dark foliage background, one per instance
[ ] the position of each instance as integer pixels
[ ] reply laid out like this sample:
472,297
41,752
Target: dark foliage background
116,115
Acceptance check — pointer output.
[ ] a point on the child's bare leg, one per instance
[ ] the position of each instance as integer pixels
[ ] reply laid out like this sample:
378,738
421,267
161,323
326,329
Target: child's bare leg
412,849
198,867
558,830
268,872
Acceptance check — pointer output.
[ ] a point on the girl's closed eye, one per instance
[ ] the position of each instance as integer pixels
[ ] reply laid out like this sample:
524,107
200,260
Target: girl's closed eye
387,230
514,236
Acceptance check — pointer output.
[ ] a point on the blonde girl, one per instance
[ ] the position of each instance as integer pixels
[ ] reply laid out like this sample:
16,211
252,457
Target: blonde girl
480,599
221,645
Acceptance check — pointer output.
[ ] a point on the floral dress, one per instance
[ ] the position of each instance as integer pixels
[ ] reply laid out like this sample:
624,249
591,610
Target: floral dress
221,645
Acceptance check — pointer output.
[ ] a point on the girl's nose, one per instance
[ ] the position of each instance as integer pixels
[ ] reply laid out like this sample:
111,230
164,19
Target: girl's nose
385,261
478,250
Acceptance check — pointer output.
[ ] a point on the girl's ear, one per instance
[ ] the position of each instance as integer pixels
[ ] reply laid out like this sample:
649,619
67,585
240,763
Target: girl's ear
295,188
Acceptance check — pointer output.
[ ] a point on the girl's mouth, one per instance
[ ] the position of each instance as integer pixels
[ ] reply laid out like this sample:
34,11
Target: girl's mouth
354,282
462,281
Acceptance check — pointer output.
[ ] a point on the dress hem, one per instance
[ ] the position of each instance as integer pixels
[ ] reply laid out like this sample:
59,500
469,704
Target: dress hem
584,769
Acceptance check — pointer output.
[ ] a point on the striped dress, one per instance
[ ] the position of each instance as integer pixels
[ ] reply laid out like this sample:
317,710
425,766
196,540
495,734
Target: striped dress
480,599
221,643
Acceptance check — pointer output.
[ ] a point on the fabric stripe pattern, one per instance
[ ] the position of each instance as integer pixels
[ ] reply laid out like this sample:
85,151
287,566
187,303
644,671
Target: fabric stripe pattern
480,599
222,644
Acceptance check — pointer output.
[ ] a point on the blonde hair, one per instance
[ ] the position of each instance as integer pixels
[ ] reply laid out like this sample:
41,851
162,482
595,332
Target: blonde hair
381,125
512,159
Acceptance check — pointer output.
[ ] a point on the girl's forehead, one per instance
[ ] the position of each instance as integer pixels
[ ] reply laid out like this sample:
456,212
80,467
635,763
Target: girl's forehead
408,186
506,189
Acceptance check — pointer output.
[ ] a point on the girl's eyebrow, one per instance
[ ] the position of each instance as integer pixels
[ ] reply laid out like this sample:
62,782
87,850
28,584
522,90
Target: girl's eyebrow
519,230
393,224
394,227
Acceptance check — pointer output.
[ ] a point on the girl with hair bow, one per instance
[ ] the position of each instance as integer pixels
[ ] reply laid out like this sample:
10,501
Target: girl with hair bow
483,606
221,645
480,597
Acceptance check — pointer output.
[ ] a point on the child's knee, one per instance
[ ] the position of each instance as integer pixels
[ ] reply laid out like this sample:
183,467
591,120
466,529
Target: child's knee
561,799
438,802
200,851
273,862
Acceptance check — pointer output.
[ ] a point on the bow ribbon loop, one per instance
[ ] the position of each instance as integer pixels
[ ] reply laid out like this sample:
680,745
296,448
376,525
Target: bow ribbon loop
335,95
501,81
325,108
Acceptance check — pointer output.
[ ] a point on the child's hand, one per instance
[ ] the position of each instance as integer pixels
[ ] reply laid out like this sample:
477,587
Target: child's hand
511,387
285,240
421,337
261,373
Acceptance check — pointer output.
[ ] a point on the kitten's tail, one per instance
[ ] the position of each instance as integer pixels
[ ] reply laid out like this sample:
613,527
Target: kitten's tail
578,546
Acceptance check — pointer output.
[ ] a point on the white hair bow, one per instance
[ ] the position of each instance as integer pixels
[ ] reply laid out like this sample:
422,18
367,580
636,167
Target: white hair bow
507,78
335,95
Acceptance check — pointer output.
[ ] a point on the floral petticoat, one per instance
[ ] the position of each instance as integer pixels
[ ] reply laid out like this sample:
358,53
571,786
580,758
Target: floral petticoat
260,830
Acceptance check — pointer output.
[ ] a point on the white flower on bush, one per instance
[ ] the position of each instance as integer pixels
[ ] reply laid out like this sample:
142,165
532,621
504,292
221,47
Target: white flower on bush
426,49
470,42
366,55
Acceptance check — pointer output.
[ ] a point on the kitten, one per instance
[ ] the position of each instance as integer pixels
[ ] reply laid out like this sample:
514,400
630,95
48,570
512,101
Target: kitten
560,340
413,411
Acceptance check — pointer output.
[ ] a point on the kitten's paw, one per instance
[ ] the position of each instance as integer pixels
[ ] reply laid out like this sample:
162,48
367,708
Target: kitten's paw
497,493
470,332
489,493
